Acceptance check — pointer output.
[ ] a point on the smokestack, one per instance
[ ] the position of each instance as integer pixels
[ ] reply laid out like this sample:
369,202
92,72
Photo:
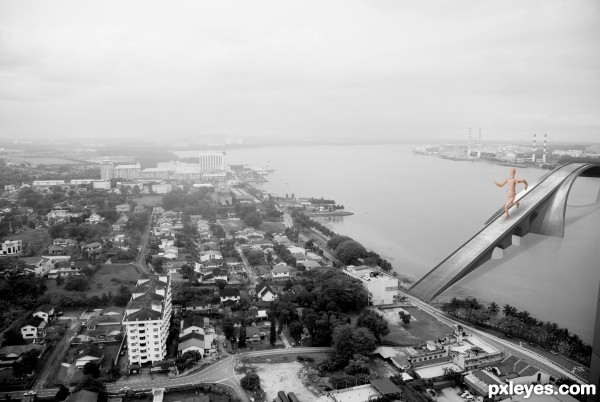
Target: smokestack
469,147
534,149
544,155
479,144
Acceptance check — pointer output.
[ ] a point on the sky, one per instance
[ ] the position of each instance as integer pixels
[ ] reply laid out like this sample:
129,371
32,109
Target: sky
324,70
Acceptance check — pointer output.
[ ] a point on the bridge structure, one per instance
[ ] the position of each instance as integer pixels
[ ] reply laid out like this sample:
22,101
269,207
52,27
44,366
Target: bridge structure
542,210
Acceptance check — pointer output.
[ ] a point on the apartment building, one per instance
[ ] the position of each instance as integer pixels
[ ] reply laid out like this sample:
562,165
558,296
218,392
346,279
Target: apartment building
146,319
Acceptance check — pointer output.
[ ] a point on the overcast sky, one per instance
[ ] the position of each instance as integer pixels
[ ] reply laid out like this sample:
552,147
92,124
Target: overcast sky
319,69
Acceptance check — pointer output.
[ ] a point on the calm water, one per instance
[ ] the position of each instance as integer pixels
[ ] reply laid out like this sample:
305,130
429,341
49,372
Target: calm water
416,210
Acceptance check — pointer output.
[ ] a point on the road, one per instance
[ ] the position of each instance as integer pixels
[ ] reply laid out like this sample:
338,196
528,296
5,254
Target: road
222,372
140,261
507,347
249,270
56,356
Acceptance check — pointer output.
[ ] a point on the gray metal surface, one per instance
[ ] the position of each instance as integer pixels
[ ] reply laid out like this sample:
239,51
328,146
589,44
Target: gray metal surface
539,212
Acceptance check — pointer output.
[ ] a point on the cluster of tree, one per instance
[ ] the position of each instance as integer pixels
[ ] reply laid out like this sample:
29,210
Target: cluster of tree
351,252
254,257
321,325
251,382
27,364
81,232
193,292
520,324
350,344
285,255
119,299
187,360
301,221
404,317
218,231
18,292
228,250
249,214
329,289
178,199
271,210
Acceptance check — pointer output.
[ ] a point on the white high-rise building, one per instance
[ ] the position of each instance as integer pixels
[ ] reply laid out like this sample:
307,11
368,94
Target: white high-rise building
212,161
147,319
128,171
107,170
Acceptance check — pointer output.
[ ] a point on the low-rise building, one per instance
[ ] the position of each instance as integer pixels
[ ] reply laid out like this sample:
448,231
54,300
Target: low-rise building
38,265
11,248
383,288
123,208
45,312
479,381
281,272
229,294
265,292
33,328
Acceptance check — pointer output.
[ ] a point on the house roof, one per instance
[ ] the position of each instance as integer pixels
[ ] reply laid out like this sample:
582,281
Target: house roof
90,351
263,286
83,396
192,339
19,349
252,331
195,321
33,321
229,292
113,310
385,386
145,314
281,269
44,308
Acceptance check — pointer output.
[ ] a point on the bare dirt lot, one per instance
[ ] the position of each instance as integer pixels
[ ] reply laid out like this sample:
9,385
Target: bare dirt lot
284,377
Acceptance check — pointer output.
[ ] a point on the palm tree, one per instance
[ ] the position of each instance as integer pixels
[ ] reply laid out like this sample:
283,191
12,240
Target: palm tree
494,308
509,310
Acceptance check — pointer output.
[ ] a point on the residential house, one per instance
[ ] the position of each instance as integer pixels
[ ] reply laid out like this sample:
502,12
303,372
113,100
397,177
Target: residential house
195,341
45,311
56,250
203,306
64,242
94,248
209,255
233,264
281,272
253,334
309,264
229,294
94,219
90,354
33,328
265,292
38,265
123,208
8,354
11,248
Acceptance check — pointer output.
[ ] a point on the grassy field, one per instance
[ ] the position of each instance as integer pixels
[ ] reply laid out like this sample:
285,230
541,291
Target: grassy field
272,227
101,281
229,225
149,200
29,235
422,327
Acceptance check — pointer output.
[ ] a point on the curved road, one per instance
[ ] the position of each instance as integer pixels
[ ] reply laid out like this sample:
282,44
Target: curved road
222,372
